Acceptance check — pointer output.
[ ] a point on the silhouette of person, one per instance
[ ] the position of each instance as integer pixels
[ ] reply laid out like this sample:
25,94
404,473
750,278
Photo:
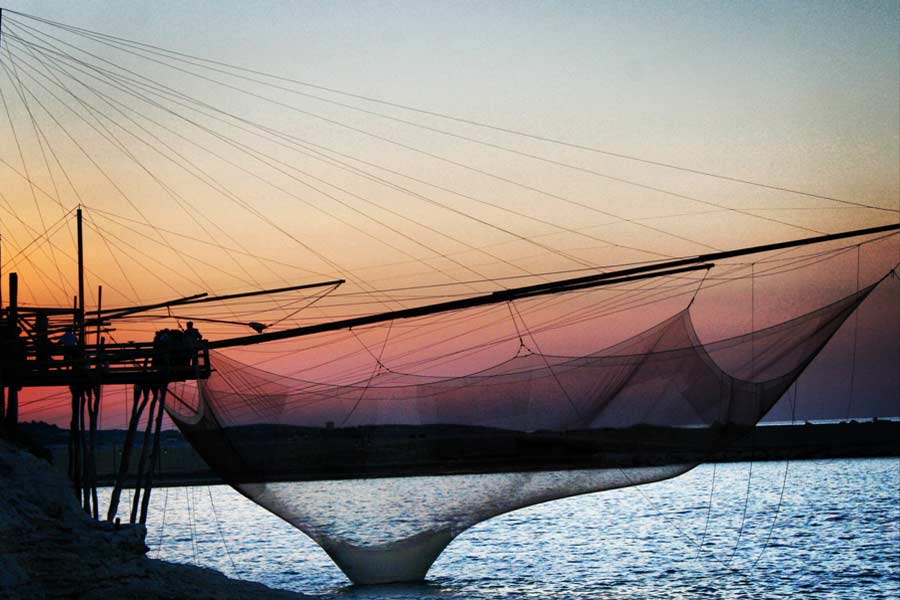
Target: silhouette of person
193,334
194,340
41,341
69,342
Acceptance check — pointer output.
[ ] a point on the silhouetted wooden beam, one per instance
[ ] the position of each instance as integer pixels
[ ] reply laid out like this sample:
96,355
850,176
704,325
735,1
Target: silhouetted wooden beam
630,274
292,288
713,256
419,311
50,312
115,313
128,310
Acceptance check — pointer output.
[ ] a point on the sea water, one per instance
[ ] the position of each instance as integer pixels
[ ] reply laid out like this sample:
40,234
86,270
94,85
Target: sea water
809,529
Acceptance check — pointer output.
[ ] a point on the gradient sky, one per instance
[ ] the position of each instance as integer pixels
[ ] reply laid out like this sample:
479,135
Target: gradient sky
801,95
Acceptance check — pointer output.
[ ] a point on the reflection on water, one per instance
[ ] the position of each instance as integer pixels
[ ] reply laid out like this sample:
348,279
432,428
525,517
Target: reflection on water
837,535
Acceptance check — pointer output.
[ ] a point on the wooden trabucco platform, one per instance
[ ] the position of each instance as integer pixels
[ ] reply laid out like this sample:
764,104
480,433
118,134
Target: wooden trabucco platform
132,363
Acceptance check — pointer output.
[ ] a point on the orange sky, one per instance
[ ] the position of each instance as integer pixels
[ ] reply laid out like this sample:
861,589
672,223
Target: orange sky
268,182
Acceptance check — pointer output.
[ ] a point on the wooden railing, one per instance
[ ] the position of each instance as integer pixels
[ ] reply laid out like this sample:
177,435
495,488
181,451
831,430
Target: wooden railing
129,363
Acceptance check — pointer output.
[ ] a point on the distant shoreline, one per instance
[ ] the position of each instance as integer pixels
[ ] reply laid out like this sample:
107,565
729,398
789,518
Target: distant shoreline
181,465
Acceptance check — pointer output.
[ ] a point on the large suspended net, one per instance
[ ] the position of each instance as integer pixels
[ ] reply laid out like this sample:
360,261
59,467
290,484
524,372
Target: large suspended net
383,474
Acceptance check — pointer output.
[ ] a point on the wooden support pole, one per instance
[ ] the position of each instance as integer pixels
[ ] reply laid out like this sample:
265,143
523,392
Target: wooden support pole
85,449
92,397
80,315
1,252
145,452
75,440
154,457
11,418
141,395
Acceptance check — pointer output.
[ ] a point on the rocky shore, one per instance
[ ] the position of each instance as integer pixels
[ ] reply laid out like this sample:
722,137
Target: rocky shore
50,549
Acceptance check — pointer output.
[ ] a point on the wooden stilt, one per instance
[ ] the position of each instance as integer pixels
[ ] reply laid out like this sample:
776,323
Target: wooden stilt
145,451
148,486
11,416
85,398
75,440
141,395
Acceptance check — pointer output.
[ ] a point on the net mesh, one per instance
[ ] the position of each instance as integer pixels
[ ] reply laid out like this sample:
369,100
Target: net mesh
384,474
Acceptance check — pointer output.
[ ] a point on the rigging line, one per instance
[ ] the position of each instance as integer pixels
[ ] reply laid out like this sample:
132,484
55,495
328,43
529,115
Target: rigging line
162,527
623,306
418,261
58,164
369,176
109,250
141,97
50,284
268,221
537,347
182,203
534,136
42,140
378,364
46,141
12,75
855,338
405,190
25,163
551,161
422,152
356,171
47,234
559,163
221,246
219,527
149,224
681,533
93,162
753,375
310,151
179,199
315,299
138,263
117,144
712,487
516,325
478,141
787,464
188,492
700,285
256,153
115,218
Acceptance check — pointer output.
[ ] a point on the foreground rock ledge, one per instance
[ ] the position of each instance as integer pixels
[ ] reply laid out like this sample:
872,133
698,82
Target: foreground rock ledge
49,548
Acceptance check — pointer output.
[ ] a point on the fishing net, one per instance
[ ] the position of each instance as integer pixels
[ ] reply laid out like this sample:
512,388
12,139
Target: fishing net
385,473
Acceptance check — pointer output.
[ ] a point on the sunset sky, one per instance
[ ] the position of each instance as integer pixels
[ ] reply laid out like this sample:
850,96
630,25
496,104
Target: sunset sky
246,181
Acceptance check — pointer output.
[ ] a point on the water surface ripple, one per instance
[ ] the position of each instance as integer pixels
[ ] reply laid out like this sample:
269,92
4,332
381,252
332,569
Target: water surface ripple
837,535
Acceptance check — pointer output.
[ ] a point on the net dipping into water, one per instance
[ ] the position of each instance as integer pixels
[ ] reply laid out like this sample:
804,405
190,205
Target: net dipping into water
384,475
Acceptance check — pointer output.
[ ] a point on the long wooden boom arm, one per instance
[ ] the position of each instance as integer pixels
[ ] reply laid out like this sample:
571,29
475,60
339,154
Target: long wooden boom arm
660,269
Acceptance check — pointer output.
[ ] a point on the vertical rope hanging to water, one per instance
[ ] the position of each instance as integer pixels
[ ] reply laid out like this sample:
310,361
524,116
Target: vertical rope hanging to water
787,464
740,533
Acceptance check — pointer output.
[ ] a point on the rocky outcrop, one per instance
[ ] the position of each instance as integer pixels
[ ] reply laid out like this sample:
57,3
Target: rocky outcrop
49,548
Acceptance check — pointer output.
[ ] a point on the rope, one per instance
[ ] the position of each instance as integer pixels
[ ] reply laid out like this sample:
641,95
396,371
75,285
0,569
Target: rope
697,291
853,349
219,527
162,527
518,331
740,533
187,493
683,534
787,464
712,487
547,363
